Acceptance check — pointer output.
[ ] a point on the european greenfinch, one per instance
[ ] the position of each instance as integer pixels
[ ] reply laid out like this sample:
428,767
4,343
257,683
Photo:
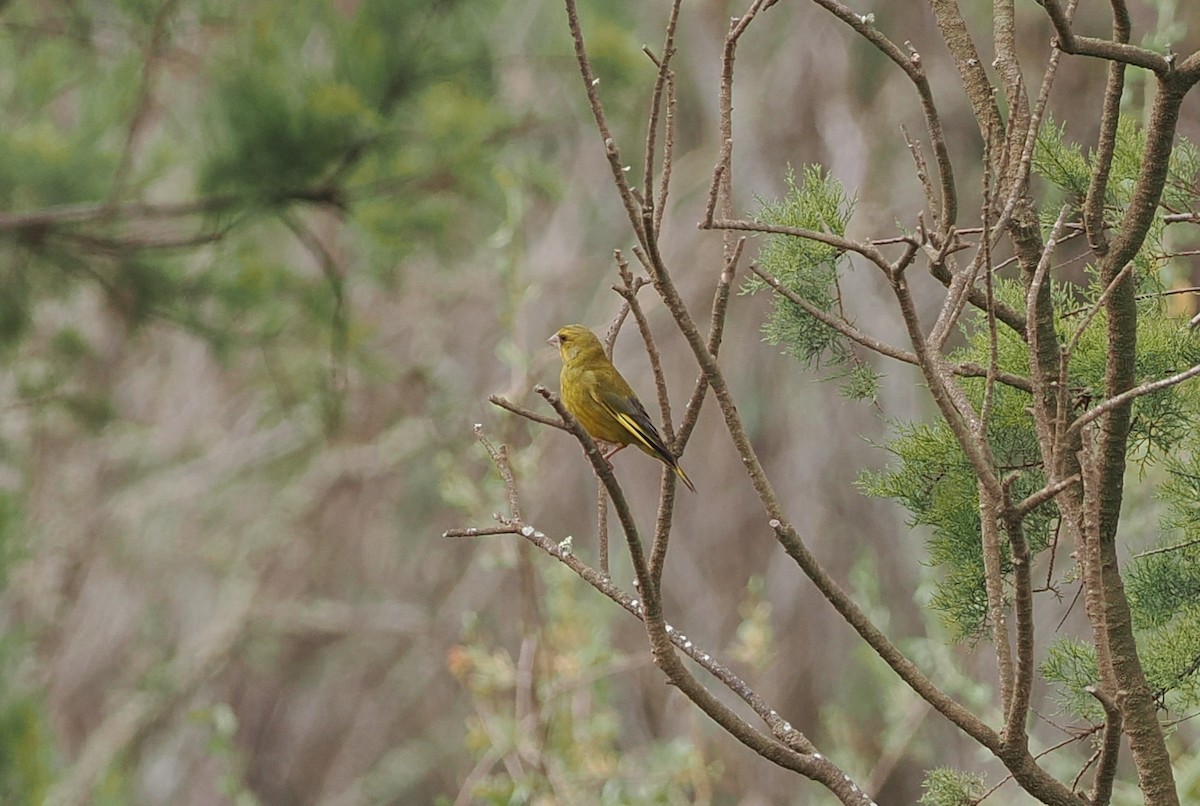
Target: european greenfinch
603,402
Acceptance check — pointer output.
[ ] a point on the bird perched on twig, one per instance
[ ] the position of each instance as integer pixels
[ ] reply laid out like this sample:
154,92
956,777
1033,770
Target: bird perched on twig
603,402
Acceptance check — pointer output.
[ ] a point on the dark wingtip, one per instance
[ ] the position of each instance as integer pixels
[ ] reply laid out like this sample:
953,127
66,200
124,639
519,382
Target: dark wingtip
684,477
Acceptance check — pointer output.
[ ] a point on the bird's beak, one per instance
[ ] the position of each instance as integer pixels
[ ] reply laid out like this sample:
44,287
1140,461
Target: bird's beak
553,340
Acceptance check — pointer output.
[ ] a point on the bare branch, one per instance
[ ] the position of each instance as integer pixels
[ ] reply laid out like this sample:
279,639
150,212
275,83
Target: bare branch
789,748
867,250
1110,748
976,296
1016,737
1003,152
1100,48
989,511
499,457
989,281
722,172
956,410
628,291
480,531
848,330
914,149
1130,395
716,330
834,323
668,154
961,283
602,527
947,214
661,84
590,84
966,56
533,416
1097,192
1020,183
1047,493
638,608
1165,549
902,665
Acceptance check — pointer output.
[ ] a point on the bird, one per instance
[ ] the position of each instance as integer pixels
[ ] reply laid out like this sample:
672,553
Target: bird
596,394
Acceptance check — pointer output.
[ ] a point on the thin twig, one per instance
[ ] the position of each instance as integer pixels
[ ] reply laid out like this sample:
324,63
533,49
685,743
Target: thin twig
1047,493
910,64
480,531
993,580
1131,394
834,323
866,249
989,507
499,457
602,528
716,330
628,291
922,168
724,167
660,86
1094,309
591,84
1106,145
497,400
1165,549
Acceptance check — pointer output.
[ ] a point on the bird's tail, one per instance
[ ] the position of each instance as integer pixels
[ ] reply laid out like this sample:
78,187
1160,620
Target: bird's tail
683,476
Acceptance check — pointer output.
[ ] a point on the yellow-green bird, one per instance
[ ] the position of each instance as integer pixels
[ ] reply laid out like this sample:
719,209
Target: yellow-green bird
603,402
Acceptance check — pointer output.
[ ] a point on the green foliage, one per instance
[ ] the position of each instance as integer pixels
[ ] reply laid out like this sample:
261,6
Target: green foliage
354,104
27,757
933,480
1163,584
1171,657
945,786
1060,162
280,135
1070,666
810,270
29,760
15,314
393,127
1063,165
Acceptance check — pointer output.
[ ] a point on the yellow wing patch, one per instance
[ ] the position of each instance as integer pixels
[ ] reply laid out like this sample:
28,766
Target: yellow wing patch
639,432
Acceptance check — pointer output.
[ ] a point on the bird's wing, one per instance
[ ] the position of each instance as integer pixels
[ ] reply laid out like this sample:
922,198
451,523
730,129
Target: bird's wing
631,414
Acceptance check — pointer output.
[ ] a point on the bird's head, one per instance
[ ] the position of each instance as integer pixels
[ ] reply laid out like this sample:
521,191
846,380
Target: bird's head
574,341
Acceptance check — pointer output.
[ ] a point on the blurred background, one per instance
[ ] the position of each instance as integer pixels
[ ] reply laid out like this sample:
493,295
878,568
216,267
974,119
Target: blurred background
264,262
